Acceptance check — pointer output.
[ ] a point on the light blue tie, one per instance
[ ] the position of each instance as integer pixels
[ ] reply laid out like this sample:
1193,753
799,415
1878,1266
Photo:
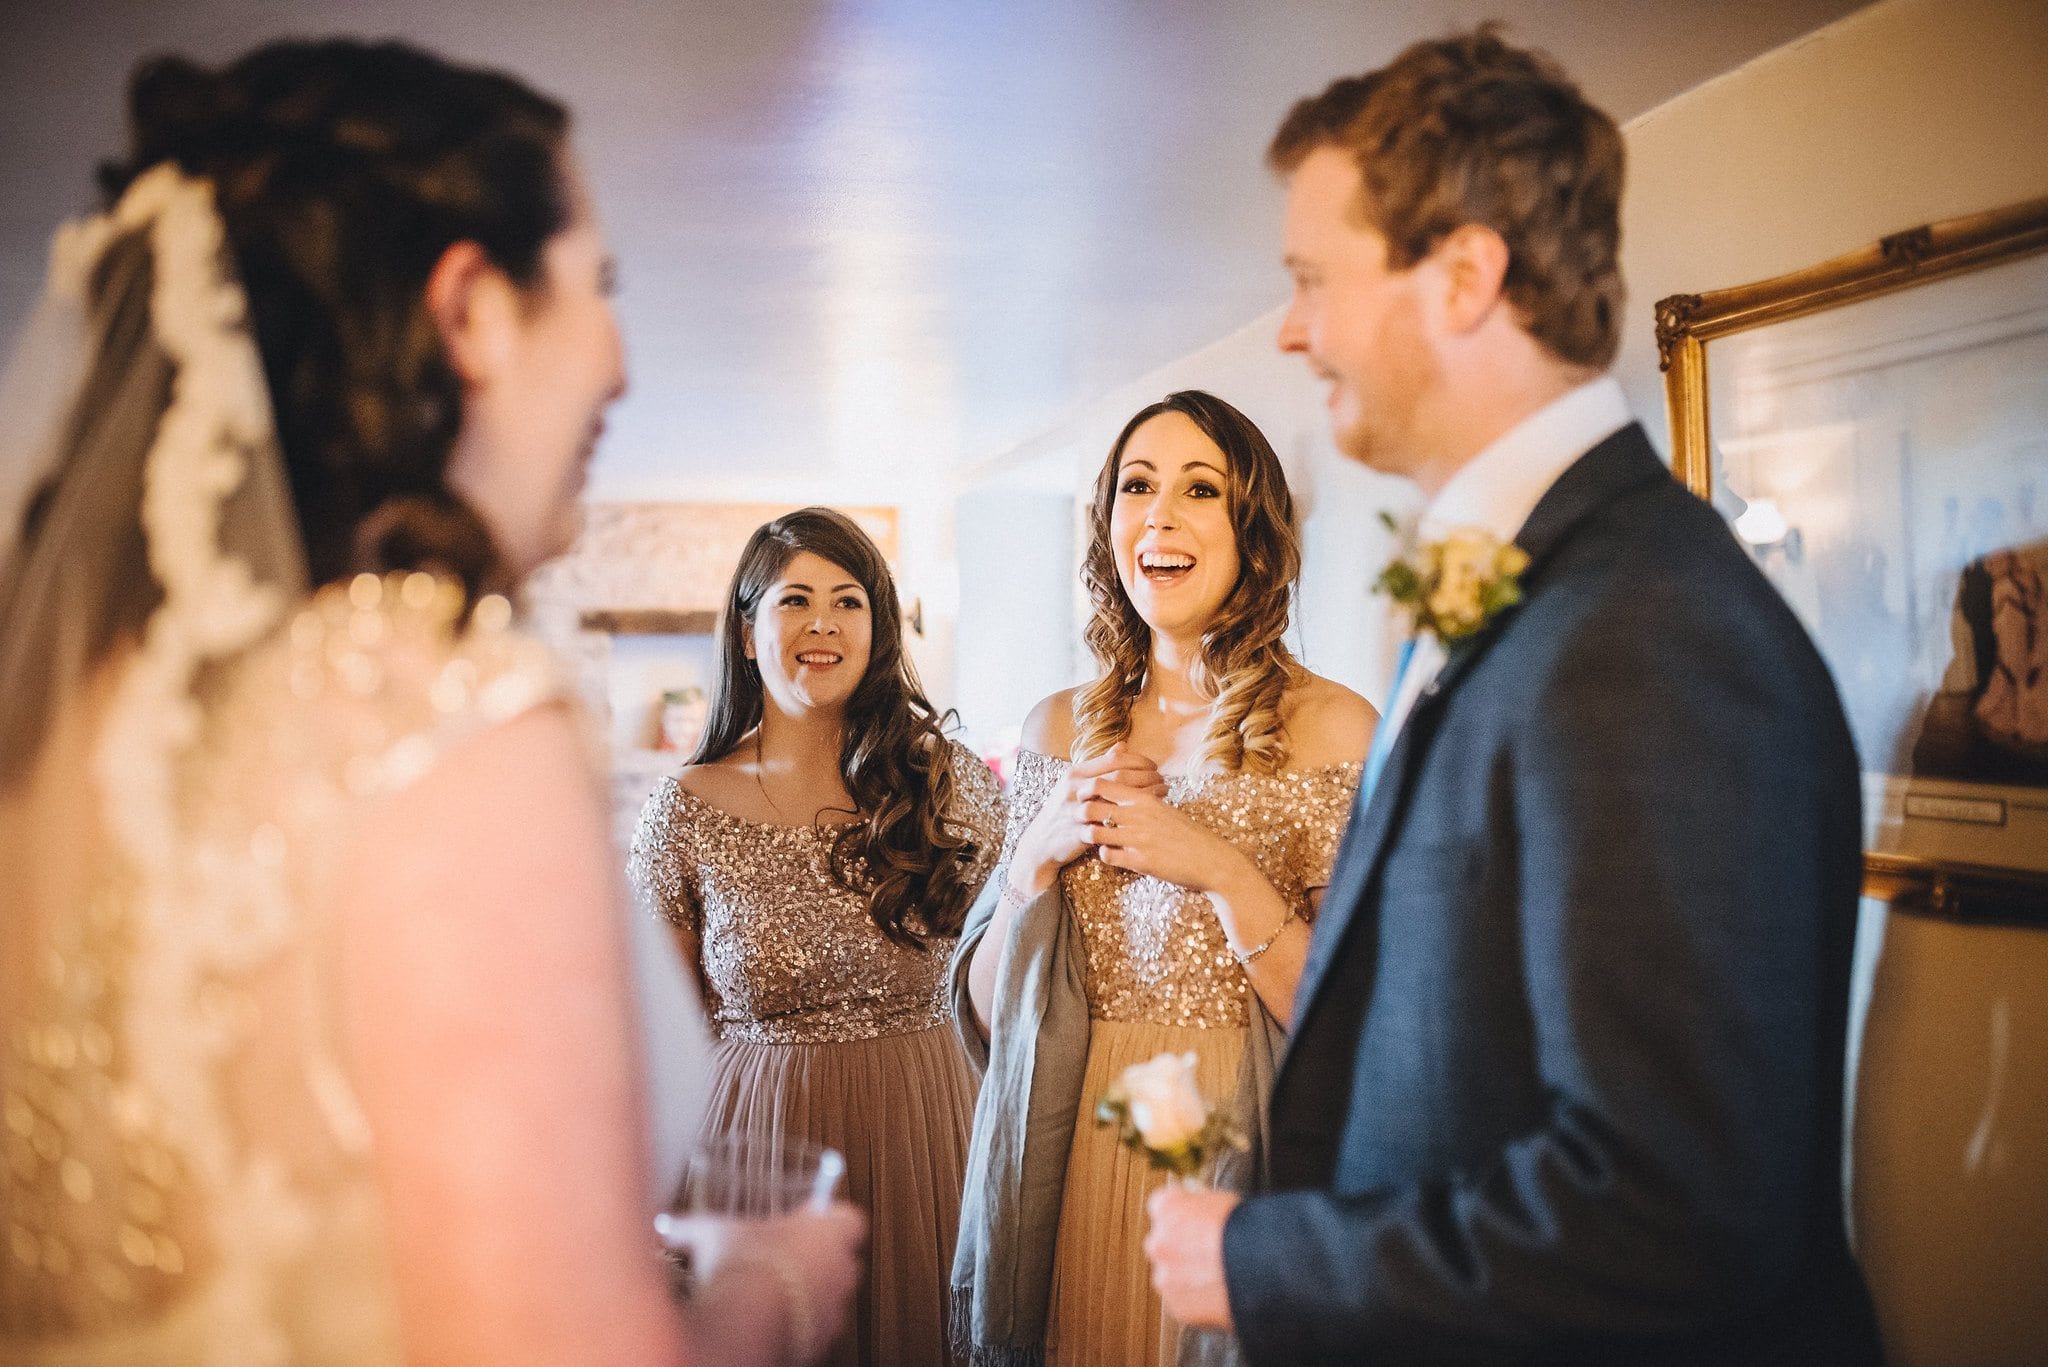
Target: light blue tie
1383,734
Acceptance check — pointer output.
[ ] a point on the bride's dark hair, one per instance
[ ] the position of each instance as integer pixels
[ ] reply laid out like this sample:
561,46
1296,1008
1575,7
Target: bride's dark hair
343,171
901,852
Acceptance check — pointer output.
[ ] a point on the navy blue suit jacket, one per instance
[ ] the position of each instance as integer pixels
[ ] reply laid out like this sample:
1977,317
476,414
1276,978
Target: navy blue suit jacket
1566,1075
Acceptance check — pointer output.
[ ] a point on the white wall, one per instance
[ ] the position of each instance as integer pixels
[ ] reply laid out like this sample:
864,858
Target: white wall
1898,115
1010,646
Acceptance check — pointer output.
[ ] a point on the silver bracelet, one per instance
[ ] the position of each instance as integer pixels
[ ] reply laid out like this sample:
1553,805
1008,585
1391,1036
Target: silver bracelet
1244,957
797,1315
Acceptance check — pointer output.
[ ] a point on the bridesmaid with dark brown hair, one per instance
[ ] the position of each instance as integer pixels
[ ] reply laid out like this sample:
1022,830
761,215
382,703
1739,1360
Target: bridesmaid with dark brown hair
816,859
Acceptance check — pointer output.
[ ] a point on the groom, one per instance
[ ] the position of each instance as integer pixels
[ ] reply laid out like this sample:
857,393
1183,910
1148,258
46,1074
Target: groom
1566,1075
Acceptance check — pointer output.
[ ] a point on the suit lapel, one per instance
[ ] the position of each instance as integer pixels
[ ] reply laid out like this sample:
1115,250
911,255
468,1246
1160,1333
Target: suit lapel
1620,463
1365,837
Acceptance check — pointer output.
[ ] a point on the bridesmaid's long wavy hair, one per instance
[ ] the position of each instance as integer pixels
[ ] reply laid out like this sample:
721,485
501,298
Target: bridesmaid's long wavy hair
1244,666
901,852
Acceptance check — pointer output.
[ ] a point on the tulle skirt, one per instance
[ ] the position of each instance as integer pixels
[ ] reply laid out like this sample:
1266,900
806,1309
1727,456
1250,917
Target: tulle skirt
900,1109
1104,1310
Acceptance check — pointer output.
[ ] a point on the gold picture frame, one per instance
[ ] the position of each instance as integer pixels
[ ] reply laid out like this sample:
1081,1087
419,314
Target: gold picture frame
1965,884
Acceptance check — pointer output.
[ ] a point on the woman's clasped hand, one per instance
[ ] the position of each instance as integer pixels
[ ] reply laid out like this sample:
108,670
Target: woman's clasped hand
1082,809
1114,807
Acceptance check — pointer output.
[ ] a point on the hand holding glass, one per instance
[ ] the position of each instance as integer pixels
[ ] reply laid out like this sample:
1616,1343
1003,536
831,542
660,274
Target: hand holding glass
731,1185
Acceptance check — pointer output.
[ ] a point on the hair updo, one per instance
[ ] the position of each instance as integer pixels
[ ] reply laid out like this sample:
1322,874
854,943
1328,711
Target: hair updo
343,171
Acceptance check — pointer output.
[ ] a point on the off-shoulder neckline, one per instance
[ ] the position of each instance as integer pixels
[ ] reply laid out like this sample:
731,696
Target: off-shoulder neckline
675,781
1338,768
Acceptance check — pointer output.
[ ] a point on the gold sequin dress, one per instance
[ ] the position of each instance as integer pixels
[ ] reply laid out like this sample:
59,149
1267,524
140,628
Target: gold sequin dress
1160,976
188,1178
829,1032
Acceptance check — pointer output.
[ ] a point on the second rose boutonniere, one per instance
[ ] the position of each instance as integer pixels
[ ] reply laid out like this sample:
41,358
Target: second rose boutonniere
1452,588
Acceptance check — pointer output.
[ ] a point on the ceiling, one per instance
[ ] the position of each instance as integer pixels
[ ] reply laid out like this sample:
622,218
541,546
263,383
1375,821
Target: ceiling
875,241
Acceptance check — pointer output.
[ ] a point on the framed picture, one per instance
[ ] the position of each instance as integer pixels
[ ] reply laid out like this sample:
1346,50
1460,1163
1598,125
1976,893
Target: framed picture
1876,429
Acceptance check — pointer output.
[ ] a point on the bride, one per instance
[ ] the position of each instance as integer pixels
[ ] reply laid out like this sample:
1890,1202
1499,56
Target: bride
312,994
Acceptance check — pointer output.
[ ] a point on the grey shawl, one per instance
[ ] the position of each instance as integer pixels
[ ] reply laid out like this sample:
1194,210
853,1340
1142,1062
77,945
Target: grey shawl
1031,1071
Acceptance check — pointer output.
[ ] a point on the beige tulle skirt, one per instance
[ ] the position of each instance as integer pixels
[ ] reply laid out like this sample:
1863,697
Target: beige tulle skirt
900,1109
1104,1310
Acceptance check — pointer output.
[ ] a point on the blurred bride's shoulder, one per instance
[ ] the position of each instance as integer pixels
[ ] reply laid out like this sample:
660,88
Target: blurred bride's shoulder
1049,727
390,671
1326,723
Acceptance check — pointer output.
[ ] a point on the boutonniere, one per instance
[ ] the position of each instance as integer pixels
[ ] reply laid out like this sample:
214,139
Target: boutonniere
1454,587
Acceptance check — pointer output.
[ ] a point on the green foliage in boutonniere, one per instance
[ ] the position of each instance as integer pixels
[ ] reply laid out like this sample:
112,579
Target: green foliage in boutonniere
1159,1111
1452,588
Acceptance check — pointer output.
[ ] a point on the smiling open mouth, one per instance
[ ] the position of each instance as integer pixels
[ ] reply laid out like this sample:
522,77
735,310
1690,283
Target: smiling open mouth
818,659
1165,567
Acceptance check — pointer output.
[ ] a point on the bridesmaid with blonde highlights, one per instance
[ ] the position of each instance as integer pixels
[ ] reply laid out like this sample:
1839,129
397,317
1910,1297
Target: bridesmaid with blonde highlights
1172,825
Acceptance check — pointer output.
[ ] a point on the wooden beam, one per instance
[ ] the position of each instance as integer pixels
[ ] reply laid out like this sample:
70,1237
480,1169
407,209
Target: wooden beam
649,622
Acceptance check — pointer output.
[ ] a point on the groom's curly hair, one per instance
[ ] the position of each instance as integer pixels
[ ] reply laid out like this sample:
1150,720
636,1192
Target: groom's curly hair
1470,130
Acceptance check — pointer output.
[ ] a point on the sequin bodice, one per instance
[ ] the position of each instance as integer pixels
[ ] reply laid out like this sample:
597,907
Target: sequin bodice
1154,950
789,956
188,1172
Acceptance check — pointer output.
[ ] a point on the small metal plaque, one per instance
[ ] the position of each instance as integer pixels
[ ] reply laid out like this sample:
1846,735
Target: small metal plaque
1976,811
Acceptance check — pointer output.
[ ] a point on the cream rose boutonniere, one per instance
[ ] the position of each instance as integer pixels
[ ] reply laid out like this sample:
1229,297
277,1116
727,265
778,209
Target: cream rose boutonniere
1158,1109
1454,587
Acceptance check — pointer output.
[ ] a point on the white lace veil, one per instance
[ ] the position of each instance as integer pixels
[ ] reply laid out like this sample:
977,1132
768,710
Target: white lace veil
147,541
142,495
38,391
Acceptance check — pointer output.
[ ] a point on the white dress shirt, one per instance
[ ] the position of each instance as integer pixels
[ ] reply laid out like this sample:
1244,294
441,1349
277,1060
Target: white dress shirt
1496,491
